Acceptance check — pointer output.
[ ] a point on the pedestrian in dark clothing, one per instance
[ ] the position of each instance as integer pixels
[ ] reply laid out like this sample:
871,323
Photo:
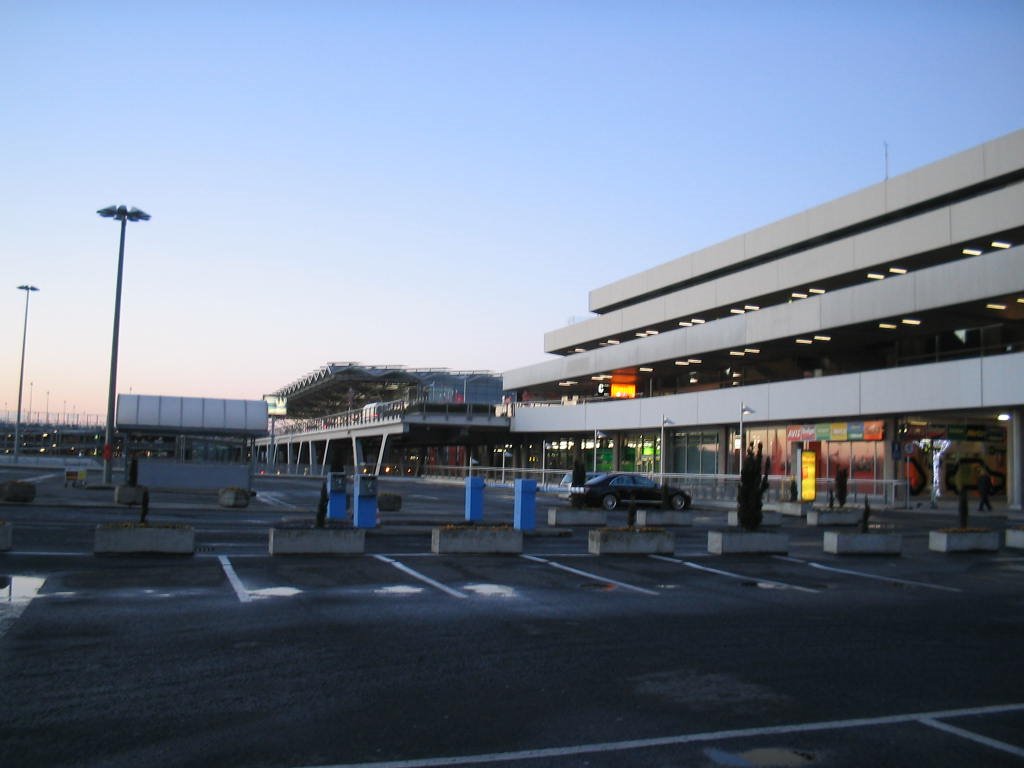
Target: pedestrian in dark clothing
984,489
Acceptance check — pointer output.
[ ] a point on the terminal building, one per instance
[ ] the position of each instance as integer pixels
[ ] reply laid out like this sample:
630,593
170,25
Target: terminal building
882,331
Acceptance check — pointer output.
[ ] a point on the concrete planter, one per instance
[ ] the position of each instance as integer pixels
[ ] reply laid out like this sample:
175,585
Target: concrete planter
837,543
630,541
151,539
1015,538
389,502
747,542
569,516
476,539
129,494
17,491
963,541
233,497
769,519
654,517
317,541
6,531
790,508
834,517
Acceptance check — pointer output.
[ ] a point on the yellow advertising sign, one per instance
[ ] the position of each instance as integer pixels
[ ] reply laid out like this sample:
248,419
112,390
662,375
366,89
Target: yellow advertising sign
808,475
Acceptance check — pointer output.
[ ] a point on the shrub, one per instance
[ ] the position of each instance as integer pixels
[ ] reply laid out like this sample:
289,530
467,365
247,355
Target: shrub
864,517
753,484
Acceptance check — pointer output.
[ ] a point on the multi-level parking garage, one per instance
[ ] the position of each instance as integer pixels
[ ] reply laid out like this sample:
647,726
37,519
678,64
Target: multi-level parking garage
884,331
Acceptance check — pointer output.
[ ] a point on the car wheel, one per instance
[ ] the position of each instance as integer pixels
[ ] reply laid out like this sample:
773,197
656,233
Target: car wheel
680,501
610,502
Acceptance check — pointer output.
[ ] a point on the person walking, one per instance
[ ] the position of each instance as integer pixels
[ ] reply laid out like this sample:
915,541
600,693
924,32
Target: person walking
984,489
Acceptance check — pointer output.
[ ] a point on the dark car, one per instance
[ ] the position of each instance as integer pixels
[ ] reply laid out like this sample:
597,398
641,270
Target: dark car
614,488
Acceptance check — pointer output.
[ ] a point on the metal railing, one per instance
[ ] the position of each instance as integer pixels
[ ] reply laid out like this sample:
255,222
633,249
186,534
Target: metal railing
379,413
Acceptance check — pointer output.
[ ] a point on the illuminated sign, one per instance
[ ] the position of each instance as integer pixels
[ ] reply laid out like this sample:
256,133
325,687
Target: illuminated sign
839,431
276,406
808,475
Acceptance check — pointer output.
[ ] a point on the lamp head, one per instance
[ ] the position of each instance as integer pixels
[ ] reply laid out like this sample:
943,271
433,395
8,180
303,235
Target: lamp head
27,288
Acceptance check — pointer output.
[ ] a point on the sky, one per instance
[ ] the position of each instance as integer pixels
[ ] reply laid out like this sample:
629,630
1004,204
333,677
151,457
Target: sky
429,183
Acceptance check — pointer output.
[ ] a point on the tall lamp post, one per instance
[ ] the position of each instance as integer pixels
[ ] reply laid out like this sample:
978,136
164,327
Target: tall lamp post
28,289
124,215
745,410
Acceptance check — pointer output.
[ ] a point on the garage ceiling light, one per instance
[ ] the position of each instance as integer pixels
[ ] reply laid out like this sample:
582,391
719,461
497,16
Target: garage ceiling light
1000,244
804,341
898,270
887,326
995,306
971,252
910,321
875,276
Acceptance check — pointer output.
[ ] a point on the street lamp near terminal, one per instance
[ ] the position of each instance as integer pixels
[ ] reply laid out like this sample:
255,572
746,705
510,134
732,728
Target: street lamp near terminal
29,290
124,215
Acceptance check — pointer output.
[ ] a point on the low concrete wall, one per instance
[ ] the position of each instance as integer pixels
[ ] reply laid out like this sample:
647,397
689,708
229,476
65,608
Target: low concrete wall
834,517
614,541
6,531
852,543
1015,538
199,477
747,542
645,517
964,541
476,539
769,519
570,516
125,539
317,541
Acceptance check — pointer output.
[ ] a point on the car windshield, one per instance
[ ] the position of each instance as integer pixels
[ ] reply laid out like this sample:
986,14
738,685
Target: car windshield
597,479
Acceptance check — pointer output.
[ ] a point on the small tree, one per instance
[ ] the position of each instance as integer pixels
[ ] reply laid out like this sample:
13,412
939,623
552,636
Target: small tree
864,517
321,507
752,487
144,506
842,475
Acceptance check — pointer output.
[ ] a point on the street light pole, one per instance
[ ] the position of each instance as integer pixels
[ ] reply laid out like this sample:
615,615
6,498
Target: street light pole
28,289
124,215
661,446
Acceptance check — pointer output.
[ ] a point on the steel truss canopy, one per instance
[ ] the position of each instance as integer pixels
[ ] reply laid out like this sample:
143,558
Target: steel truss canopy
344,386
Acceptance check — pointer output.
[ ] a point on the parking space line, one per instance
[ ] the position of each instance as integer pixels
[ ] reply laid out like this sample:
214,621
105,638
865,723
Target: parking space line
731,575
972,736
236,583
417,575
587,575
685,738
876,577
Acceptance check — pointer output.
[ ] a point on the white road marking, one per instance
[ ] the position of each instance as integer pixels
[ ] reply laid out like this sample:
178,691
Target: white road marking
236,583
588,575
15,597
417,575
685,738
731,575
970,735
38,478
273,500
862,575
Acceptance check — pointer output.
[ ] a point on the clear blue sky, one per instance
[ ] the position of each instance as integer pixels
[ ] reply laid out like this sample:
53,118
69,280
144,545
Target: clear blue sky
430,183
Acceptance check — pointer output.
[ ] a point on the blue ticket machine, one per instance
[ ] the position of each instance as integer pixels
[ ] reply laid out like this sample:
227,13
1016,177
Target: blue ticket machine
525,505
337,498
474,499
364,501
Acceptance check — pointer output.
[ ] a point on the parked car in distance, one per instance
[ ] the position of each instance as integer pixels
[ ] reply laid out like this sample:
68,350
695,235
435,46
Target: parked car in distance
566,483
611,489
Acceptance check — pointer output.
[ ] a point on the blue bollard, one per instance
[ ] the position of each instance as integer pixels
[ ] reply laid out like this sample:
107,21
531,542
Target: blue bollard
474,499
525,510
364,501
337,499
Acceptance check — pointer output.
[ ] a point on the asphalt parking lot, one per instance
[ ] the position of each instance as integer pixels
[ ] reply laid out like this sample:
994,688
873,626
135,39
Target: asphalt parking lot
553,658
